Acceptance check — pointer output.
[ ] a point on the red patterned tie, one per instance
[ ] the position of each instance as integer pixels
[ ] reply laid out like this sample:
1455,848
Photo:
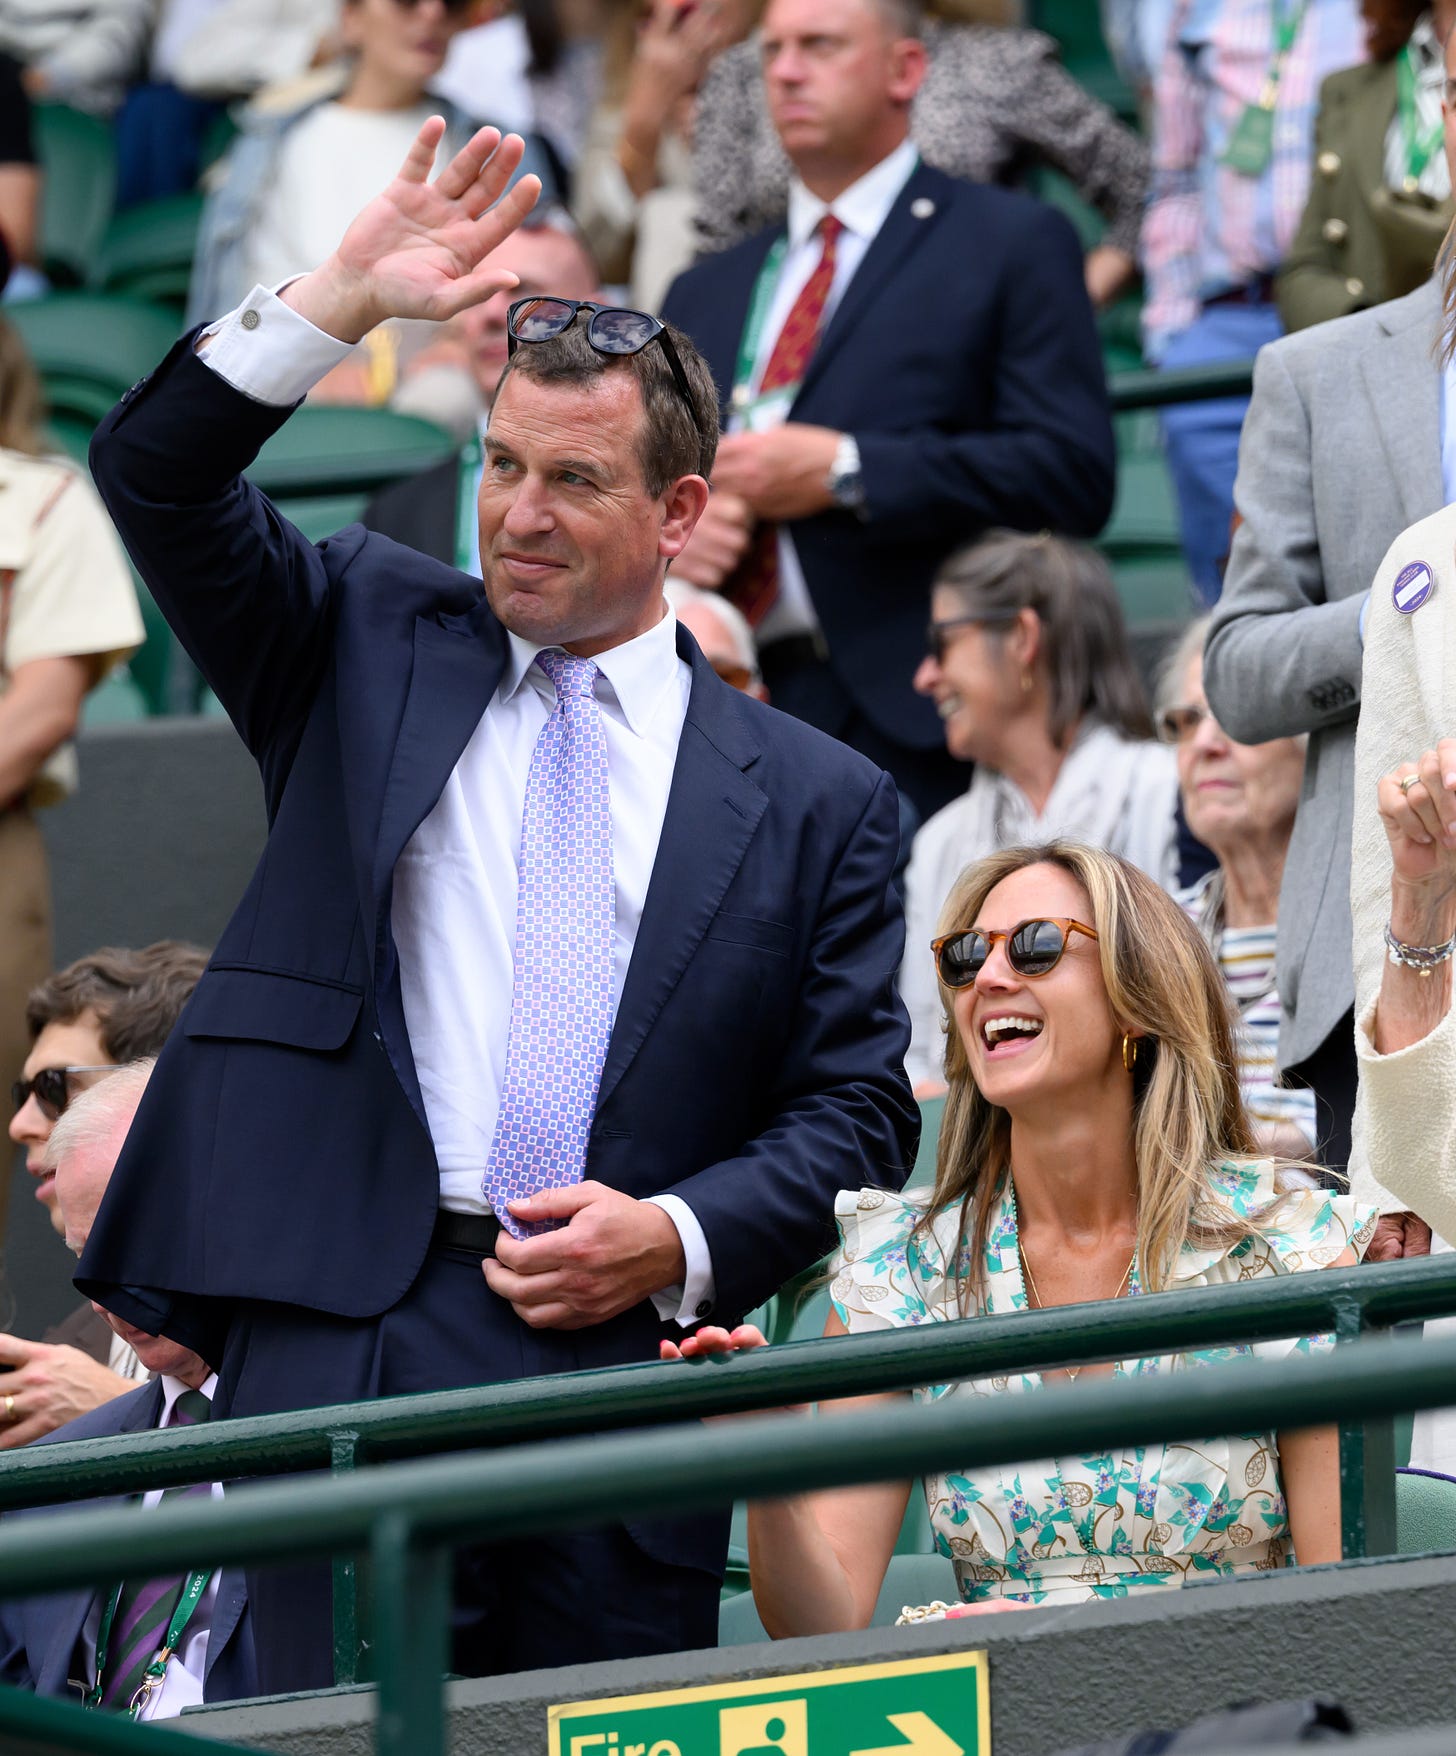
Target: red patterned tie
755,584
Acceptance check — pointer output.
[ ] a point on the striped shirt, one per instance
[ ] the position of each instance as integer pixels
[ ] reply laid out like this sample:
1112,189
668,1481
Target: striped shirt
1209,228
1246,957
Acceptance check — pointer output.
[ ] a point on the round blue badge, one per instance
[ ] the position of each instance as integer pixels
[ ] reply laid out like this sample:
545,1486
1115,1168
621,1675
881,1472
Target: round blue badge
1413,586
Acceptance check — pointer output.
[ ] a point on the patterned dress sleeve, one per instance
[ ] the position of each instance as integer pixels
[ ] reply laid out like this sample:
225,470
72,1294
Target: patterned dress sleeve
887,1274
1306,1229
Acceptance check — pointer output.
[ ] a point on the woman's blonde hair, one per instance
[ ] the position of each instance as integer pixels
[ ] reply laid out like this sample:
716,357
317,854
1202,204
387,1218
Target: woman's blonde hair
22,403
1188,1113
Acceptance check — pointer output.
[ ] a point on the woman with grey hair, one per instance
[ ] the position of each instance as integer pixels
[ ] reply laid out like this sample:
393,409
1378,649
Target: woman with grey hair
1029,668
1239,800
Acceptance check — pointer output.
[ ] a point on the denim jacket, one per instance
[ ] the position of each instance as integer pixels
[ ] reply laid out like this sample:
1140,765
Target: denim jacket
249,173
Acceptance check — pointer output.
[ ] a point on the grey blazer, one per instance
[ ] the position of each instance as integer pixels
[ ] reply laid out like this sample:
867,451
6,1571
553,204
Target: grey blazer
1341,450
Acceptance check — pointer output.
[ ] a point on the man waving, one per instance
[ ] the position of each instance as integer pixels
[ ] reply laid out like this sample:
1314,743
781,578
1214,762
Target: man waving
552,925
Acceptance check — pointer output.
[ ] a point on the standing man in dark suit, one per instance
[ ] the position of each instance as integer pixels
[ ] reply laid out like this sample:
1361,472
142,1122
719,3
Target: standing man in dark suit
912,360
105,1644
552,924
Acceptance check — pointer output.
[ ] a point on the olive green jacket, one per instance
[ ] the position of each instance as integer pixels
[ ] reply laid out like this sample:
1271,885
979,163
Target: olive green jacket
1359,243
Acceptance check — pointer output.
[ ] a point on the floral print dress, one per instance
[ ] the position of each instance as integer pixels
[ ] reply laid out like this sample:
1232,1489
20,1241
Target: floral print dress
1068,1528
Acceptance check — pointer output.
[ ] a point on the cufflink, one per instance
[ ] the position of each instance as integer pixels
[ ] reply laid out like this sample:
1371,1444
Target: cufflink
703,1307
250,319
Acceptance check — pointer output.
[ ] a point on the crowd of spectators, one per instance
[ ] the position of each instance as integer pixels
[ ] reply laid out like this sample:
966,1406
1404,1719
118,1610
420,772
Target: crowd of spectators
1168,1048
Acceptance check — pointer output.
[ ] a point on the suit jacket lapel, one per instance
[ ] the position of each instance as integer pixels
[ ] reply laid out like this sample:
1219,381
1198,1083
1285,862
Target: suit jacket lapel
897,238
713,809
1404,381
458,661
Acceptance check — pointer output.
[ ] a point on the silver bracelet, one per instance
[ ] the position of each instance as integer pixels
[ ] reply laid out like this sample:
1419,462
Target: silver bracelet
1421,958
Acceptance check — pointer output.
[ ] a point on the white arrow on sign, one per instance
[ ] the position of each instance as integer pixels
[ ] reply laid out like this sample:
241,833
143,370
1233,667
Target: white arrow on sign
926,1738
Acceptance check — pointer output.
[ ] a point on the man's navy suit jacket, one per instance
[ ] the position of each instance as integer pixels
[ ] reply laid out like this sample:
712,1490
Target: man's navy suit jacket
38,1635
964,359
281,1150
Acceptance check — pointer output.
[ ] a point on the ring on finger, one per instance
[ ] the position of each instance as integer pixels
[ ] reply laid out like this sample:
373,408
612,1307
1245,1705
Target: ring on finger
1406,784
10,1415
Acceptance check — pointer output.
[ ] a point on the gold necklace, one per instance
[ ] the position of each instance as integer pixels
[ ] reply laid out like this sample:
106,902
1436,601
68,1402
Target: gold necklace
1030,1279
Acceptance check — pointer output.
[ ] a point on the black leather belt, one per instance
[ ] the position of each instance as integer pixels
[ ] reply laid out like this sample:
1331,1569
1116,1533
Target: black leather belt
474,1233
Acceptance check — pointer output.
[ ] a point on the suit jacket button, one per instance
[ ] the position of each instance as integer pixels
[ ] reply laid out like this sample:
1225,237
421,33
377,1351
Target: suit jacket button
1334,231
702,1308
250,320
1328,163
1355,287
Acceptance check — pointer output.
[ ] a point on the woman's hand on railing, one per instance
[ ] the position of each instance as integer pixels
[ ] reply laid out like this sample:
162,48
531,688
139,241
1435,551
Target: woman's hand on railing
714,1343
705,1342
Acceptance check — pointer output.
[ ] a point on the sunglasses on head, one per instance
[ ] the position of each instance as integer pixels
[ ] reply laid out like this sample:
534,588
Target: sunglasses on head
612,330
1033,948
51,1089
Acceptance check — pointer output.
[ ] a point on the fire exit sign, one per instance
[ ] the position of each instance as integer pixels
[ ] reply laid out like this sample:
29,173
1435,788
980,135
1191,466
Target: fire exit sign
937,1706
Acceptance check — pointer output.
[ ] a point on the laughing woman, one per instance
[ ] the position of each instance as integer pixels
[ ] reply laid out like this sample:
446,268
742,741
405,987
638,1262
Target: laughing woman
1094,1146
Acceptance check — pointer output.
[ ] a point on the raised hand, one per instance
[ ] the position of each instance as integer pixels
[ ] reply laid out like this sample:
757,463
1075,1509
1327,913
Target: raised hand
422,249
1417,802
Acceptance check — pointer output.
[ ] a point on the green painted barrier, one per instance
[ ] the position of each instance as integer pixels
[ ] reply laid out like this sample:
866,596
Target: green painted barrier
409,1516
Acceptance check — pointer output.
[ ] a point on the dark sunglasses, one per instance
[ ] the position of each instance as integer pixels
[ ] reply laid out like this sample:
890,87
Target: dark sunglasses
1175,725
1033,948
453,7
936,632
612,329
51,1089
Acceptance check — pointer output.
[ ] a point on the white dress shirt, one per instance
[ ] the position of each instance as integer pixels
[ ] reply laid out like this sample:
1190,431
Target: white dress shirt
187,1668
454,907
862,209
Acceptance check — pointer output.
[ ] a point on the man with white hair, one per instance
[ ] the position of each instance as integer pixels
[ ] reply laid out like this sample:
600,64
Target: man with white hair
723,633
163,1643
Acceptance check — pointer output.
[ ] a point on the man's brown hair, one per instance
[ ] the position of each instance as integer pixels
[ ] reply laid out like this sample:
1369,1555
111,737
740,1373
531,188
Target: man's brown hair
673,442
136,996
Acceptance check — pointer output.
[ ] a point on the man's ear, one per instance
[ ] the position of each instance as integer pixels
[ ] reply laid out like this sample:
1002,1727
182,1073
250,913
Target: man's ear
683,504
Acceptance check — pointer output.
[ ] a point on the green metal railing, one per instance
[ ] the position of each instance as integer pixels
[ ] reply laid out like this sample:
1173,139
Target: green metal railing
1152,389
410,1516
1349,1301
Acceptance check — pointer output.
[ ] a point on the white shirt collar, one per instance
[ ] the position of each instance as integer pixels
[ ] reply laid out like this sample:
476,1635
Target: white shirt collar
862,208
634,675
172,1388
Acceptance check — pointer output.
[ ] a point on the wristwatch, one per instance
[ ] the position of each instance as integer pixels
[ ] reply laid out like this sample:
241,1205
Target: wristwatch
846,484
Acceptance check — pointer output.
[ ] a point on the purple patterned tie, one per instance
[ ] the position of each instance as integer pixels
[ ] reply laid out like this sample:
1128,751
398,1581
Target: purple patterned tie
145,1608
561,1004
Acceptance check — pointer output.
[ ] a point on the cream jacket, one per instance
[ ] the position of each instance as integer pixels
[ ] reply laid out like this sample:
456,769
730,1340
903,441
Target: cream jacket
1405,1119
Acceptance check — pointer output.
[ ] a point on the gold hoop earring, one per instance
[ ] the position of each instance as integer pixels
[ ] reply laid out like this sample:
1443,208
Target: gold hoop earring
1129,1050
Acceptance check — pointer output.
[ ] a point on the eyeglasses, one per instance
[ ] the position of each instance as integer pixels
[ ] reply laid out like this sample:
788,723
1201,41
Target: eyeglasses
51,1089
936,632
1176,725
1033,948
453,7
612,330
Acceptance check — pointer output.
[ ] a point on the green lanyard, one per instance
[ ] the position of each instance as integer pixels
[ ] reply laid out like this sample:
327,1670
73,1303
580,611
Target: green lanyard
1251,143
763,292
192,1591
465,510
1419,148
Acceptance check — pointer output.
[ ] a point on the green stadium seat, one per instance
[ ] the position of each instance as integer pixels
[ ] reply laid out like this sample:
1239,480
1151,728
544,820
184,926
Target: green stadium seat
1077,28
116,700
1425,1513
147,250
150,666
1145,516
90,347
320,515
911,1579
332,450
78,157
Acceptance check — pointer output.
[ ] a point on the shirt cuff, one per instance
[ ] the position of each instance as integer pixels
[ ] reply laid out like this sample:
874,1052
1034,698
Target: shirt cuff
268,351
693,1300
